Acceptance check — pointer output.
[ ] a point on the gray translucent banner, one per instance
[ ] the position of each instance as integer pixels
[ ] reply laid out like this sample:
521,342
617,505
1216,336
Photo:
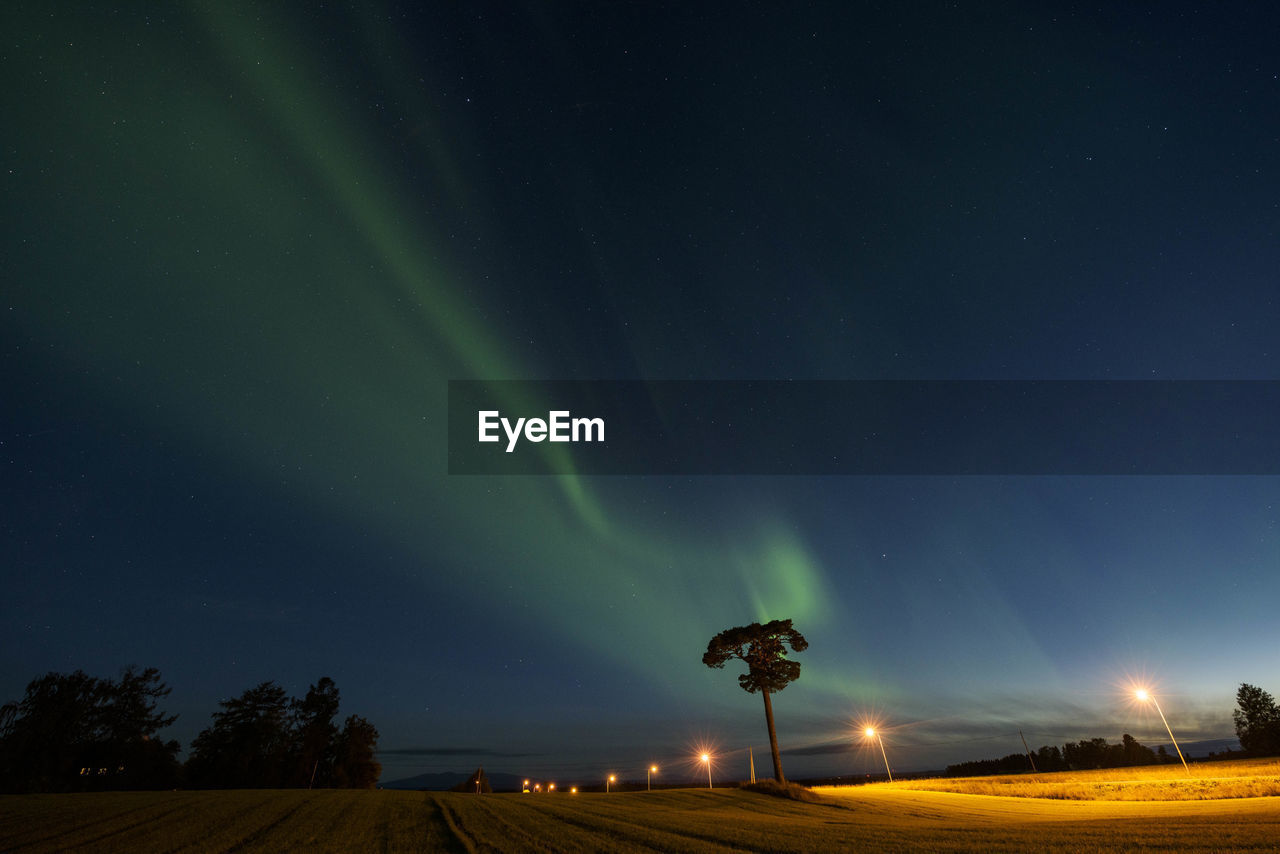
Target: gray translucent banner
864,427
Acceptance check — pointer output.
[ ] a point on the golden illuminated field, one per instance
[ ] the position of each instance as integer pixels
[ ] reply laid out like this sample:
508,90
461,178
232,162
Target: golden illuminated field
882,818
1207,781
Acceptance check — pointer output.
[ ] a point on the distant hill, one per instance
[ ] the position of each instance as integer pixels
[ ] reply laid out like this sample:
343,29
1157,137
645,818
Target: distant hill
1200,749
445,780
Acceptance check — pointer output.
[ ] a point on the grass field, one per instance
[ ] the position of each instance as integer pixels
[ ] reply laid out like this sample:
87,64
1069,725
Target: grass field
882,818
1207,780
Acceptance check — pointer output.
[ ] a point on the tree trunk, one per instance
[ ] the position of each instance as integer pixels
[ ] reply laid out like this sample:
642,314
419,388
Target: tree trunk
773,739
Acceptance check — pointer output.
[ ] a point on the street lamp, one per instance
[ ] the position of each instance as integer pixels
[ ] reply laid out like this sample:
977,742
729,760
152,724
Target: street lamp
648,779
1143,695
706,757
611,778
870,732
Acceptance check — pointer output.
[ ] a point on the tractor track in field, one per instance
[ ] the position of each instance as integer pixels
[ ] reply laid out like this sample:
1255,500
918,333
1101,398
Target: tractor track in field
450,816
71,831
263,831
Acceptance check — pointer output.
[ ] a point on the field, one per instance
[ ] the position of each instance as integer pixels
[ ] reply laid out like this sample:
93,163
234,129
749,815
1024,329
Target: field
1208,780
882,818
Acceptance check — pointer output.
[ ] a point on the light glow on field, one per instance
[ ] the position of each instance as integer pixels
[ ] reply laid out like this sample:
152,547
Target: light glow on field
1221,780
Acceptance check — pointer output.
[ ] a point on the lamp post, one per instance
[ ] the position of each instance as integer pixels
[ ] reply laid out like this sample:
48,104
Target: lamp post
607,781
648,778
706,757
870,732
1144,695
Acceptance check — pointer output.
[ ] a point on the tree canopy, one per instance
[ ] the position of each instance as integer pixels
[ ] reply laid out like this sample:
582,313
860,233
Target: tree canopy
1077,755
355,766
75,732
265,739
1257,720
763,647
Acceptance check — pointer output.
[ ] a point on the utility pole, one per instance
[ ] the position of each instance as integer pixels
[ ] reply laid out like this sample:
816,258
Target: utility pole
1028,749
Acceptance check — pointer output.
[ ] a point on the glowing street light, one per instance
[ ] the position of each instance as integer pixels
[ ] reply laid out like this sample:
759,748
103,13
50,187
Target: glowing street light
610,779
551,787
526,786
1143,695
706,757
870,732
648,778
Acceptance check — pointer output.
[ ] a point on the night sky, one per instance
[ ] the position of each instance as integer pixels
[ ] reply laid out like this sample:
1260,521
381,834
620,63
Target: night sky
245,250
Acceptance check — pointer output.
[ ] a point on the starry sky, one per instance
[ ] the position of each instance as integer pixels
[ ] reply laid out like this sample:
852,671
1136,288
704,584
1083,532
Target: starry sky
247,247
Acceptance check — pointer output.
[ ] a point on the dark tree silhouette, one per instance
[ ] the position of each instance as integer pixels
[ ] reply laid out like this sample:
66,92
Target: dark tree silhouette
127,723
1134,753
74,732
248,744
265,739
1086,753
1049,758
356,767
763,648
314,734
1257,721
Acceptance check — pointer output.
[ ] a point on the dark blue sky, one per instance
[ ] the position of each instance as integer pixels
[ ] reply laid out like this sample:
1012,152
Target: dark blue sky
246,249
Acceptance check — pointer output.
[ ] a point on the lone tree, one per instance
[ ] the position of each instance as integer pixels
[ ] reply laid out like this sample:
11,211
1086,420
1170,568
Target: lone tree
763,648
1257,721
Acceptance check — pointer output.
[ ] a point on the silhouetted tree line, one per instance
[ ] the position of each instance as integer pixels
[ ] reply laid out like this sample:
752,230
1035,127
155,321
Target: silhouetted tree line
1073,756
1257,719
74,732
266,739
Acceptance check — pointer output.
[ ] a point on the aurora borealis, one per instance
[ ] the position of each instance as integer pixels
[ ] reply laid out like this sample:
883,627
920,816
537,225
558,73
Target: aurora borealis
247,247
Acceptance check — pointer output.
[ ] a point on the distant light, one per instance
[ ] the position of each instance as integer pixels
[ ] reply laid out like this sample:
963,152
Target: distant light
706,757
573,790
653,768
870,732
1142,695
